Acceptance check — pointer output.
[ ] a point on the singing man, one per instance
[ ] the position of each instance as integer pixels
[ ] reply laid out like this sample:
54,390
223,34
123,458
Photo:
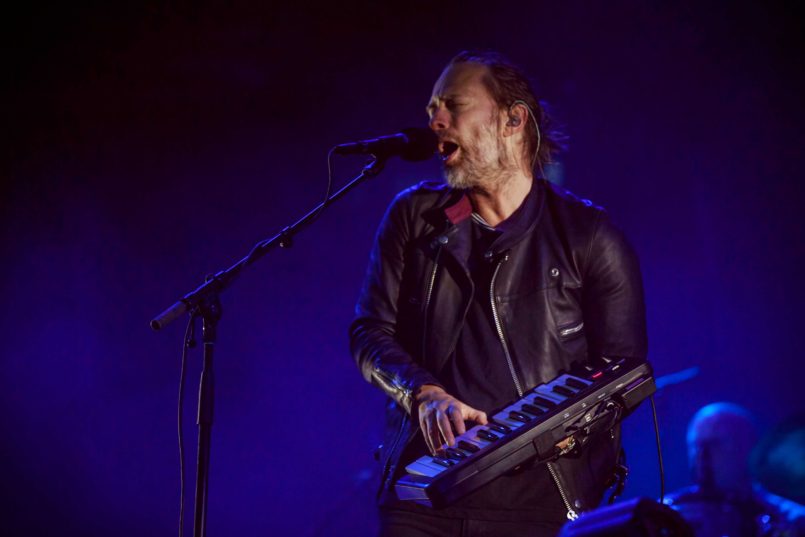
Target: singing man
482,287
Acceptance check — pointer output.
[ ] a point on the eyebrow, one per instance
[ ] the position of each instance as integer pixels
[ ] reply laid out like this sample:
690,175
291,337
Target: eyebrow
450,96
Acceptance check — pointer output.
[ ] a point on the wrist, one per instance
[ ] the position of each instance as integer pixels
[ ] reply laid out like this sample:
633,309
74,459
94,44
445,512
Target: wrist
425,392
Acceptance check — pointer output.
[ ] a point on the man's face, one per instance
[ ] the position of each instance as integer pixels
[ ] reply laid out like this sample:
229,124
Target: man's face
469,123
718,449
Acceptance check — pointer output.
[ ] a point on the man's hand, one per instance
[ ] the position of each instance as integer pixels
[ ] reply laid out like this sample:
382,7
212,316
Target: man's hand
440,414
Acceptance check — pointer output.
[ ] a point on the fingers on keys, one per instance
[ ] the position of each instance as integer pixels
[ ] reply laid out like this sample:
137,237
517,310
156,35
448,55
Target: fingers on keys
431,433
442,423
477,416
457,419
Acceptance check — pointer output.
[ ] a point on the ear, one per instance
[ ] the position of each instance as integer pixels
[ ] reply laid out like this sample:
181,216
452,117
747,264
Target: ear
517,115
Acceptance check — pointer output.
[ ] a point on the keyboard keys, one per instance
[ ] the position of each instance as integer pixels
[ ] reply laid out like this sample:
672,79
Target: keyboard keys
505,420
527,412
519,416
563,390
447,463
575,383
542,401
499,428
424,466
467,446
533,410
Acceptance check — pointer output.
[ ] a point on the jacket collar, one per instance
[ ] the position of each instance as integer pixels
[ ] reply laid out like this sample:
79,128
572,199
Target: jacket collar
457,210
460,210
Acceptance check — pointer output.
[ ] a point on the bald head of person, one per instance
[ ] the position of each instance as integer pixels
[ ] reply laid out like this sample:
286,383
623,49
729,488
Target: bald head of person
720,439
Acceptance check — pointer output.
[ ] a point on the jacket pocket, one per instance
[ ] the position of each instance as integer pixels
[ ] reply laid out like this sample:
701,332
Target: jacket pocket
572,340
572,330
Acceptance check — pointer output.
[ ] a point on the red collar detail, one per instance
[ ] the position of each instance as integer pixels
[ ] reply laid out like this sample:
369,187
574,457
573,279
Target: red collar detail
460,210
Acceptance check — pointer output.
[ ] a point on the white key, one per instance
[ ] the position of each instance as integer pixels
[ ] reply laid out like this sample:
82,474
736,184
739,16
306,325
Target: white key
585,381
471,436
503,416
425,466
545,391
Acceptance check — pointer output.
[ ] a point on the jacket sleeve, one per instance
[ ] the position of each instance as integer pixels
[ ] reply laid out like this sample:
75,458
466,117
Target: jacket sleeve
614,312
374,338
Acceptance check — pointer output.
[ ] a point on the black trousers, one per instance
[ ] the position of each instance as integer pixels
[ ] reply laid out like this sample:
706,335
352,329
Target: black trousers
398,523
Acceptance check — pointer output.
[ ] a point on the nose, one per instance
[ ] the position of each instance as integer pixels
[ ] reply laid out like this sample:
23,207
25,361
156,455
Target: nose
440,120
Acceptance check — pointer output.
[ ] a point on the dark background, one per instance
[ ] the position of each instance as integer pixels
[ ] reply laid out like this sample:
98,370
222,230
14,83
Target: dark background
146,145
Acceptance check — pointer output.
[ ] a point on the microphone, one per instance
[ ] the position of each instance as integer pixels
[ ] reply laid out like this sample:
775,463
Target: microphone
411,144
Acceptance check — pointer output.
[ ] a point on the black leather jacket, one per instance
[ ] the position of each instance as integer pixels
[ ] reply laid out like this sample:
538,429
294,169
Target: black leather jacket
566,289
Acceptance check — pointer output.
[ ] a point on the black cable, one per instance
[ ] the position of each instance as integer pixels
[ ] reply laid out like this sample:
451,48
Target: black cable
329,188
188,342
659,450
329,178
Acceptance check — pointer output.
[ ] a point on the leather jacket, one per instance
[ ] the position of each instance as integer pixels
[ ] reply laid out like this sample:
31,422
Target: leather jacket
566,289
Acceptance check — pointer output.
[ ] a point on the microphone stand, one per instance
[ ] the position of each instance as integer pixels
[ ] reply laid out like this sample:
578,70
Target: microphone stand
204,302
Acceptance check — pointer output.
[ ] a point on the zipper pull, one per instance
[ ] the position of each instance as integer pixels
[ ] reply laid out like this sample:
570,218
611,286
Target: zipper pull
490,256
572,515
439,241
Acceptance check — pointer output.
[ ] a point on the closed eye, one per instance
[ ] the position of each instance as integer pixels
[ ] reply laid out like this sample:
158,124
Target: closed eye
450,103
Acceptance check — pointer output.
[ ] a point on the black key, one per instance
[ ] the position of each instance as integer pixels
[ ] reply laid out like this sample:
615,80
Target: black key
541,401
499,427
447,463
575,383
456,453
519,416
486,435
533,410
563,390
466,446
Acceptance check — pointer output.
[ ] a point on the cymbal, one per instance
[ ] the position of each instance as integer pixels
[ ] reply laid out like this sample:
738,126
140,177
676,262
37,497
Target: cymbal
778,460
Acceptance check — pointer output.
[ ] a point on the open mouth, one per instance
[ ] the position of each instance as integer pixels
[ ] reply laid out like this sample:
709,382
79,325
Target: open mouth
447,150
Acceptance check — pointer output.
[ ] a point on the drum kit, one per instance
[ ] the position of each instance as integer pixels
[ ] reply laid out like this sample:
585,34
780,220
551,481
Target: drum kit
774,508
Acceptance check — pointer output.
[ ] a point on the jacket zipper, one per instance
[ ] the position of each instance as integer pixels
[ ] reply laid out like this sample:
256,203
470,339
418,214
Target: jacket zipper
387,473
428,295
499,328
571,514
